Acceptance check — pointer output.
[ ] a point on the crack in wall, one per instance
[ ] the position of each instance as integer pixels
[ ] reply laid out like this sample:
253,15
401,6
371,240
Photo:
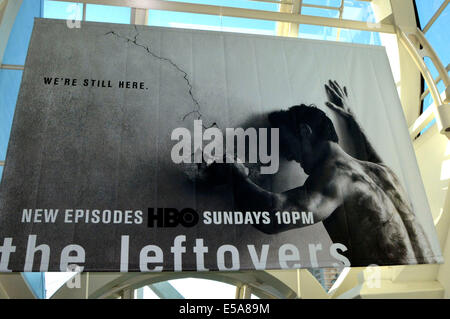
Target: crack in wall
196,109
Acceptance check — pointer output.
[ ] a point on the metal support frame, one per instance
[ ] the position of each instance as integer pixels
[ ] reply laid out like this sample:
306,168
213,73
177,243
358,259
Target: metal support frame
84,12
127,293
86,295
274,1
243,292
436,81
8,13
11,67
165,290
3,4
139,16
244,13
440,109
341,13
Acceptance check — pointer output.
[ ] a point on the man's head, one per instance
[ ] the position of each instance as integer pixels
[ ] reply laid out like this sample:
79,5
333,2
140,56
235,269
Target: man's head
303,128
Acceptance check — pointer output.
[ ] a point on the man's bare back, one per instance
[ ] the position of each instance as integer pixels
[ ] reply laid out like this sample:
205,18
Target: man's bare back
370,218
359,200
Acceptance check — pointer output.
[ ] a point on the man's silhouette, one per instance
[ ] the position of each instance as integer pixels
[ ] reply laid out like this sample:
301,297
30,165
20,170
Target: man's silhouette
359,200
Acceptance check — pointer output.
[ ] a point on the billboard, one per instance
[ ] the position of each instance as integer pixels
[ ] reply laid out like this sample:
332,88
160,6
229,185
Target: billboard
137,148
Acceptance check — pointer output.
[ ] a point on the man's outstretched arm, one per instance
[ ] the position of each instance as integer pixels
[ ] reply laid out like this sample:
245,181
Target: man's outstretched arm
337,101
321,199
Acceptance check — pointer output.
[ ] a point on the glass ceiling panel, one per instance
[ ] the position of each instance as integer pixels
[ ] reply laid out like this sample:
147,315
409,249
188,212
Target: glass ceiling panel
439,38
245,4
426,9
345,35
204,288
163,18
17,47
329,3
248,25
100,13
9,90
55,280
145,293
62,10
209,22
358,10
319,12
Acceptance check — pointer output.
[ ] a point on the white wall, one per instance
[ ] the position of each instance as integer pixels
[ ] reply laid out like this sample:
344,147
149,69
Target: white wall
433,156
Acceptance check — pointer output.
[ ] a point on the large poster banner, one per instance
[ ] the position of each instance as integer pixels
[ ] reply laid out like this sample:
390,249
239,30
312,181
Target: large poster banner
153,149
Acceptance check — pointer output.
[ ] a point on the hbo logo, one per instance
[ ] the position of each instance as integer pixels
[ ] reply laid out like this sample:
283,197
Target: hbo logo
171,217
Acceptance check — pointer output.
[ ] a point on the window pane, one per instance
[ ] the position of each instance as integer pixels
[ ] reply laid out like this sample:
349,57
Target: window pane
194,288
63,10
327,13
246,4
163,18
362,37
428,99
112,14
145,293
439,37
345,35
248,25
209,22
325,276
317,32
358,10
55,280
16,49
9,89
35,281
426,9
330,3
353,10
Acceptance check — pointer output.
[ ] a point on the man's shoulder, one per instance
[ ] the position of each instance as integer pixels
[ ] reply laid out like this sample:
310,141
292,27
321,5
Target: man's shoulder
378,168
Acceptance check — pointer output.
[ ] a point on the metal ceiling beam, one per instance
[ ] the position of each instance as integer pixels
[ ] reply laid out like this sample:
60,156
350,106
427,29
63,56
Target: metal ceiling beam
139,16
318,6
436,81
3,4
244,13
11,67
341,14
273,1
8,10
165,290
435,16
84,12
